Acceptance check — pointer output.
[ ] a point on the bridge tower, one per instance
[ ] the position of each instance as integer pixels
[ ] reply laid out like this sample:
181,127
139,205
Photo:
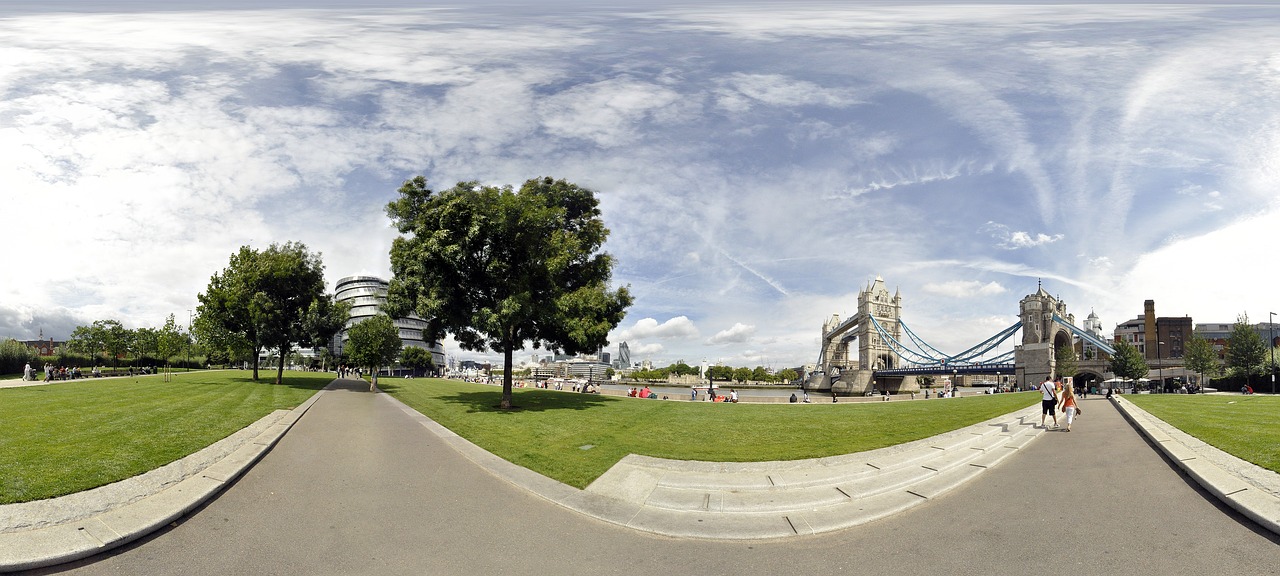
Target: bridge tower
875,302
1041,336
838,370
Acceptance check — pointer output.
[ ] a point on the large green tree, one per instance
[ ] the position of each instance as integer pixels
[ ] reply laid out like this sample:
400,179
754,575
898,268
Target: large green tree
1128,362
269,298
223,320
1200,357
373,343
501,268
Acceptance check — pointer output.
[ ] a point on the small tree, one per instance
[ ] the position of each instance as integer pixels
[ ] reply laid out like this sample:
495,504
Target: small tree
373,343
1246,350
1065,361
1200,357
169,342
788,375
417,359
1128,362
742,374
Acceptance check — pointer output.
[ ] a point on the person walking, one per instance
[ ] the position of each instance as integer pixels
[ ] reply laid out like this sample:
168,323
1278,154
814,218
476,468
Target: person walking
1068,405
1048,401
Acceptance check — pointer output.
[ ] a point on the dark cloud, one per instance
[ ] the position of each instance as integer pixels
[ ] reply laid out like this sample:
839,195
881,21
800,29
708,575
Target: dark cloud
22,324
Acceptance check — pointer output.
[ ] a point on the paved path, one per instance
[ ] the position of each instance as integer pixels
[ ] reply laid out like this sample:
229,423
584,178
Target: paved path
360,487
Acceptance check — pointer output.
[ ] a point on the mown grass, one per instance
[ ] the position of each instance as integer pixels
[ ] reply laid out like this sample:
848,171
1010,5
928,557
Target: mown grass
71,436
1244,426
551,431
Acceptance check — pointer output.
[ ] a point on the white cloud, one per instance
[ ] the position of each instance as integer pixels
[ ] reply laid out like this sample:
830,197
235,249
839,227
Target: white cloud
646,350
1010,239
965,288
739,91
644,328
609,113
736,334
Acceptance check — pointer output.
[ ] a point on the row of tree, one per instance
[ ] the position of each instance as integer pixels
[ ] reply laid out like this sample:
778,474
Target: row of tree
719,372
109,341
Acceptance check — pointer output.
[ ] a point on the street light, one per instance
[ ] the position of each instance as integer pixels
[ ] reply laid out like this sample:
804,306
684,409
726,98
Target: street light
1271,326
1160,365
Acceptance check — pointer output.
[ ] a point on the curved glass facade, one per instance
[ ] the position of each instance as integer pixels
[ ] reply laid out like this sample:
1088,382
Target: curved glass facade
367,294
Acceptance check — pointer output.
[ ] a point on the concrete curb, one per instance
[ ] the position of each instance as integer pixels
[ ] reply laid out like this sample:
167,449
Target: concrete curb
1255,503
625,495
82,538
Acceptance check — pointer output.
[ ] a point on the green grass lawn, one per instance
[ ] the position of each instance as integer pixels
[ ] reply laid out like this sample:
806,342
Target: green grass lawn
550,431
1244,426
72,436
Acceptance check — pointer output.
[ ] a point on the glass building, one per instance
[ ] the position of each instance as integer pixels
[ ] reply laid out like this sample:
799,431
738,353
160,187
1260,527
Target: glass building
367,294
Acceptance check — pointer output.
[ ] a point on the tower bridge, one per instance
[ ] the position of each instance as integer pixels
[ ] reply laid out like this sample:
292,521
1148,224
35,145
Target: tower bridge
890,356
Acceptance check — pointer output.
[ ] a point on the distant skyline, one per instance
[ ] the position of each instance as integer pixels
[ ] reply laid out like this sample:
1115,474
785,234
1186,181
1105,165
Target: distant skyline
757,163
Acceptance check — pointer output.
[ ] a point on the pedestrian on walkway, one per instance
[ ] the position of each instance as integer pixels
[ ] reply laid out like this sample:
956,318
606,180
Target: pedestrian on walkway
1068,405
1048,402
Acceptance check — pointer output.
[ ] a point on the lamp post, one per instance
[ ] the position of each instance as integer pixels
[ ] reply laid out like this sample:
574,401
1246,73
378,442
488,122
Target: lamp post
1159,365
1271,326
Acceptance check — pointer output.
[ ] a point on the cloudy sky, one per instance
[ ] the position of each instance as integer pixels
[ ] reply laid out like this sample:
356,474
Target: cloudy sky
757,163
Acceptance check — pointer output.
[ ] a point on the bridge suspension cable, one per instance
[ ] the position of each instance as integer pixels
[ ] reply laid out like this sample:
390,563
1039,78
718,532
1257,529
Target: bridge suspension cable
915,354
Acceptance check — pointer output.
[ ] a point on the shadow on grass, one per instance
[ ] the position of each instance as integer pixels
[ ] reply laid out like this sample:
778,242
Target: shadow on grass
525,401
313,382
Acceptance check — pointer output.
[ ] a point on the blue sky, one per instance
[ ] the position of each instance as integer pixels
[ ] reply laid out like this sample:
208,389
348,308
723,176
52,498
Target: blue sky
757,163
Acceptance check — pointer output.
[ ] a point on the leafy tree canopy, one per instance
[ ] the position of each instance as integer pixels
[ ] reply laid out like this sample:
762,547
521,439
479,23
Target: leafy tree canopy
373,343
417,359
499,268
1065,363
1128,362
1246,350
269,298
1200,357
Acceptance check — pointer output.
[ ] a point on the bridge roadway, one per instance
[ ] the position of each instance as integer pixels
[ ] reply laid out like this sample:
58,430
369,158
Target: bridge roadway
361,486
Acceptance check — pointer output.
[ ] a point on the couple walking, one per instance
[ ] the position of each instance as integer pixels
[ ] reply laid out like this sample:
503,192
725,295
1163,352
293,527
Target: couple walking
1050,400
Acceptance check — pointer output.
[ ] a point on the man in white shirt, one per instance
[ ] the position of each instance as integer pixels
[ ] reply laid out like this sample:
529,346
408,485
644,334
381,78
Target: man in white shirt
1048,400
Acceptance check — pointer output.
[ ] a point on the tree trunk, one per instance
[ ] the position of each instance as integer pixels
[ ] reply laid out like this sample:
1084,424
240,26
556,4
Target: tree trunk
507,351
255,363
284,349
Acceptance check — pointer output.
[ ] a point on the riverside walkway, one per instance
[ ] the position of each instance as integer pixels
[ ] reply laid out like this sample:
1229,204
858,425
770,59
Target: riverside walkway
361,485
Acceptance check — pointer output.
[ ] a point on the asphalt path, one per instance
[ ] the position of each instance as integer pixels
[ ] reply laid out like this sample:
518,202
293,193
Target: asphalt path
358,487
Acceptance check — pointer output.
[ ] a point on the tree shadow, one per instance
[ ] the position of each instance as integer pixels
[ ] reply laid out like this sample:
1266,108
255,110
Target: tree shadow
535,400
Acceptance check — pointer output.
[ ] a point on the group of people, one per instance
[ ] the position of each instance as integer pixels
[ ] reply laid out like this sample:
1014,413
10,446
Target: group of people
344,371
794,399
1054,397
711,396
641,393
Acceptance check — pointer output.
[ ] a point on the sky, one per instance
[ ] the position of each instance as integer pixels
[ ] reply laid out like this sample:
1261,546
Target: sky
757,163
